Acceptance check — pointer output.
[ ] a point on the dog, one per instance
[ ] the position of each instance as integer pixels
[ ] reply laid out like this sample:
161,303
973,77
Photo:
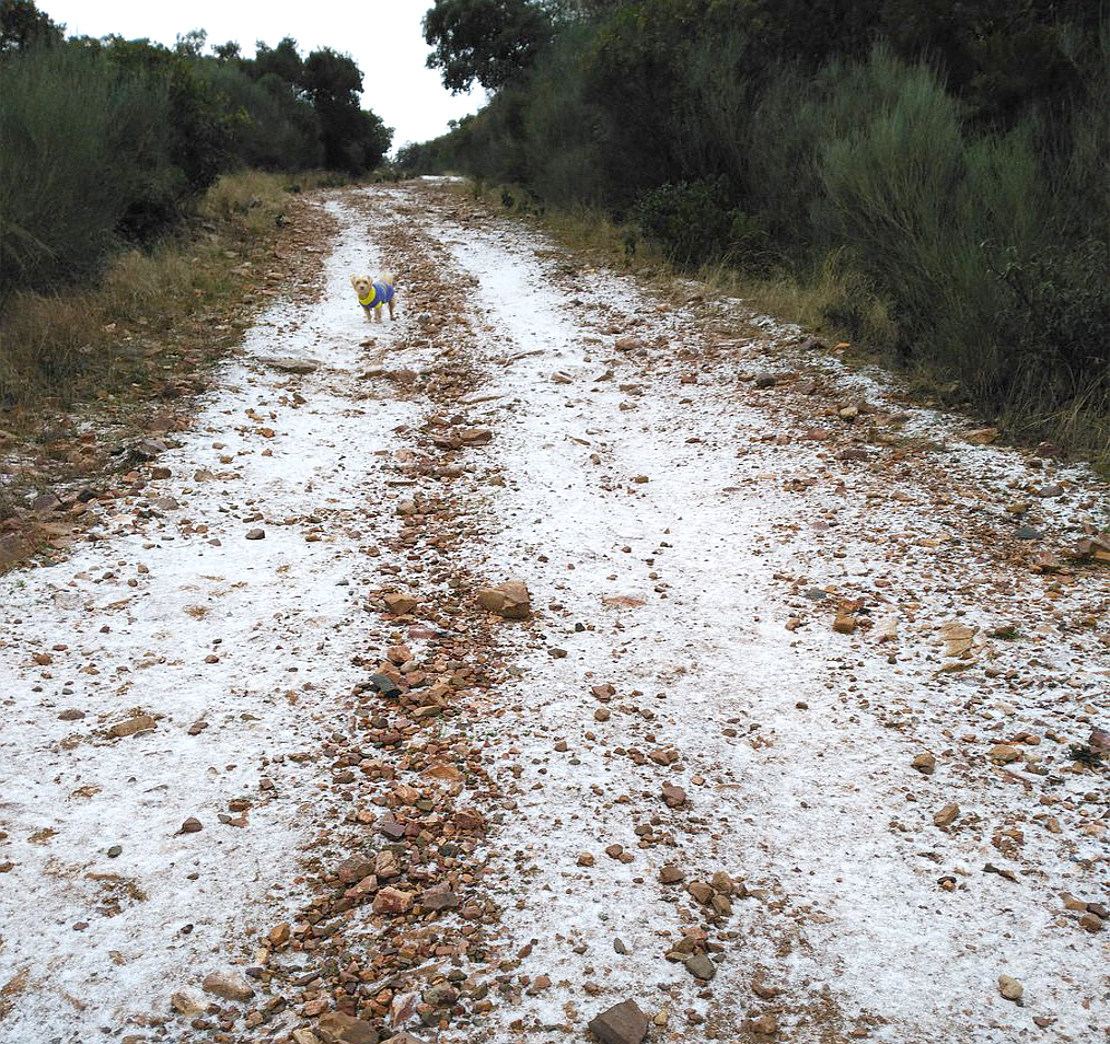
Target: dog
373,293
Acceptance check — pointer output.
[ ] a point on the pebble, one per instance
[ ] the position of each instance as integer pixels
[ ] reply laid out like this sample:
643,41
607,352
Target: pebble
946,815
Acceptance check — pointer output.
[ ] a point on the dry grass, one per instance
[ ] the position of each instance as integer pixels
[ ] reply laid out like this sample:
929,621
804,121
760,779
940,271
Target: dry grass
251,200
97,341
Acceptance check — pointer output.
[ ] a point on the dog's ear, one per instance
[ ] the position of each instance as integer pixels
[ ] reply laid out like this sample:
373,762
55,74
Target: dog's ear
354,282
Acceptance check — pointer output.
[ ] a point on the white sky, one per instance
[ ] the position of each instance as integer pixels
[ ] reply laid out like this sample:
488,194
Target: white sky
382,36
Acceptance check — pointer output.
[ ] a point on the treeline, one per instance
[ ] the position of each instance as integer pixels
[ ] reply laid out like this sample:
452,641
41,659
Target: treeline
940,166
110,142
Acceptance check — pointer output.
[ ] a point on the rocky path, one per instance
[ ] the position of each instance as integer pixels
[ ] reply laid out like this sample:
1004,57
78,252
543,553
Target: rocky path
798,740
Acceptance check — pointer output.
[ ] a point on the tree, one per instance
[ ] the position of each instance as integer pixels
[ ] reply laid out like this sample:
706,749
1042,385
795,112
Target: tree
191,44
23,25
283,61
353,140
201,130
227,52
488,41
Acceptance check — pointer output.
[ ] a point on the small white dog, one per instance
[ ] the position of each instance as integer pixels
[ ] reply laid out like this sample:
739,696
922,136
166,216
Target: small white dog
373,293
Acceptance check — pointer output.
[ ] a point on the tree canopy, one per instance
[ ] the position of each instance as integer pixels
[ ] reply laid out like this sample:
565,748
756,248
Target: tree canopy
488,41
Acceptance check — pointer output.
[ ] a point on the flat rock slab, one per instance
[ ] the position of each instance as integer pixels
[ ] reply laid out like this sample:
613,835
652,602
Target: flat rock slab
290,364
623,1023
337,1028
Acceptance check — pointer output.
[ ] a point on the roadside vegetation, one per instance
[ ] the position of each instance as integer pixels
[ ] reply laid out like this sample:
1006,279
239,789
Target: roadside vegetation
125,184
927,181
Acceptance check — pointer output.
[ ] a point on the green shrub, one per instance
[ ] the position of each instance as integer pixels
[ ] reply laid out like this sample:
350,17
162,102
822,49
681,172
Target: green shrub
79,140
691,221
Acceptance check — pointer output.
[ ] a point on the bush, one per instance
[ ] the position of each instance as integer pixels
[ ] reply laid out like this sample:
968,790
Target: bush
79,140
693,223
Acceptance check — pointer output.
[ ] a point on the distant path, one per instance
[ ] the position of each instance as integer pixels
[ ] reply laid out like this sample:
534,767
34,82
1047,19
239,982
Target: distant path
677,782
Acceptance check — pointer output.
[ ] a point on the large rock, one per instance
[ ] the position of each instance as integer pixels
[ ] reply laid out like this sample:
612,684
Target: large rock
354,868
399,604
148,449
231,985
674,796
138,723
392,901
509,600
440,897
623,1023
701,967
188,1001
1010,988
337,1028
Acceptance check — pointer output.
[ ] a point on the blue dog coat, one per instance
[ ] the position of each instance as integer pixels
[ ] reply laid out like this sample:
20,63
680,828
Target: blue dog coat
380,294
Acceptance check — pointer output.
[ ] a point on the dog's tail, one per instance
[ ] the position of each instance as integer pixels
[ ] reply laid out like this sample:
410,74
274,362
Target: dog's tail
387,277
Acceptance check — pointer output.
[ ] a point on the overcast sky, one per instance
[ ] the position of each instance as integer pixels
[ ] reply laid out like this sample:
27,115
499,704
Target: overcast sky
382,36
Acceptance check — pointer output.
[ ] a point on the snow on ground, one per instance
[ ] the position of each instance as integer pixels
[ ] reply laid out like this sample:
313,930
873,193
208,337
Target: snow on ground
687,541
174,614
798,785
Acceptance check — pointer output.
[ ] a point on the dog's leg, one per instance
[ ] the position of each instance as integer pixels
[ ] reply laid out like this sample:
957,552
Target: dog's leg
377,313
391,315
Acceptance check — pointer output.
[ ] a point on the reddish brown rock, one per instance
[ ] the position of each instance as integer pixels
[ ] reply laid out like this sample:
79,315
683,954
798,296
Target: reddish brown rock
509,600
354,868
440,897
701,891
673,796
767,1025
399,604
386,864
392,901
138,723
469,820
946,816
337,1028
623,1023
925,763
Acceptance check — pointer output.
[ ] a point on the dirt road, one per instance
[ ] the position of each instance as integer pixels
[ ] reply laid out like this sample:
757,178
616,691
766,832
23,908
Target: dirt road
799,742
